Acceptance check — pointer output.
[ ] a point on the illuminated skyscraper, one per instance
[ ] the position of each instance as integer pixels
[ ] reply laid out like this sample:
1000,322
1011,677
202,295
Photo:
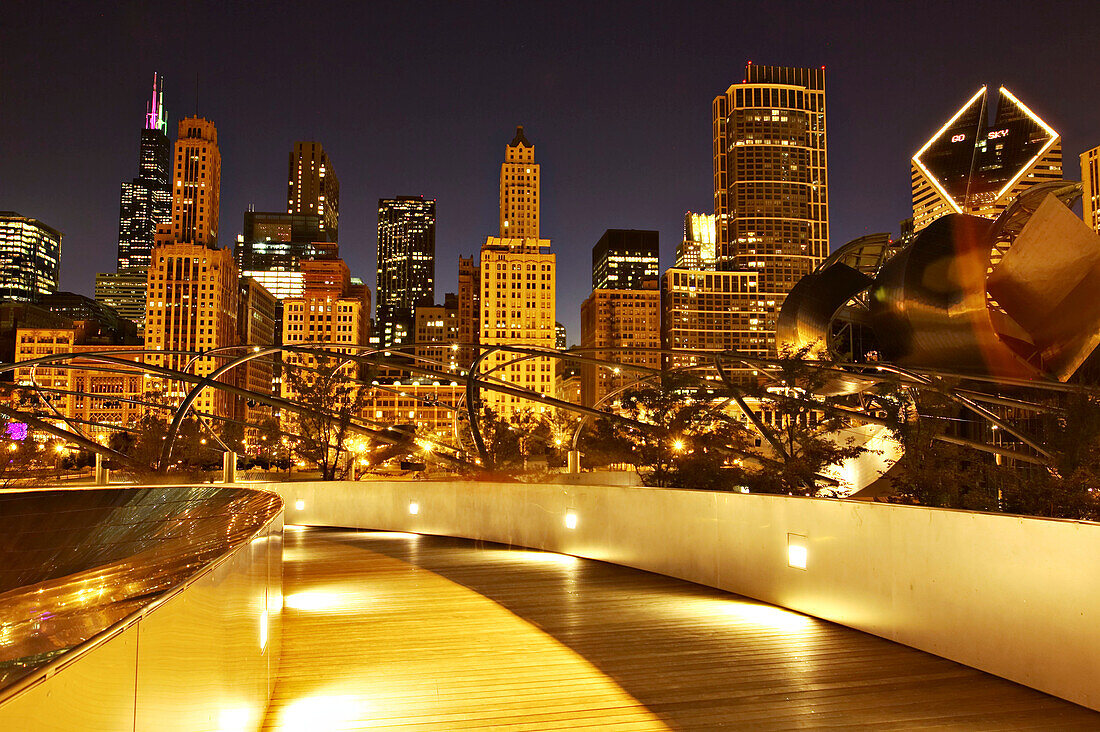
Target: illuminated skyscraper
312,186
406,264
331,310
519,190
125,292
145,205
196,184
273,246
613,320
517,276
193,295
1090,181
146,201
623,259
697,251
30,257
771,199
469,307
974,167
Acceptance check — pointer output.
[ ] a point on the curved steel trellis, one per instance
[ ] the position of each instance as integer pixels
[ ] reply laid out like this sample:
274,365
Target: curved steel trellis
956,387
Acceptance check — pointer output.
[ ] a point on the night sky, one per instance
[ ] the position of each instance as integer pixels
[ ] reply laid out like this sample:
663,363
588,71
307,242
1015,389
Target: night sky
416,98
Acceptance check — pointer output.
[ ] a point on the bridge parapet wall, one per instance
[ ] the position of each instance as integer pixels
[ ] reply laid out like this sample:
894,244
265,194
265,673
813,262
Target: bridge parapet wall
1014,596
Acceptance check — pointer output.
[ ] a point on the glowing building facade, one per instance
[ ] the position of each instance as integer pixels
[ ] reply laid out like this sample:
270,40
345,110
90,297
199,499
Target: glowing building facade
146,201
624,259
436,334
124,291
697,250
193,294
771,200
110,397
519,190
273,246
196,184
406,264
711,311
1090,183
331,311
976,167
30,257
613,320
313,188
517,281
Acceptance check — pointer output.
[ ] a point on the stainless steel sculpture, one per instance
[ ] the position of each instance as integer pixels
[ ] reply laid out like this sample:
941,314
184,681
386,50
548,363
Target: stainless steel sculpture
1012,297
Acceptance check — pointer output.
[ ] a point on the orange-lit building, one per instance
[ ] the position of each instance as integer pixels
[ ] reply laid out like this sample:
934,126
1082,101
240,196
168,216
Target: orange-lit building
429,405
469,308
196,183
331,311
1090,182
193,300
312,186
256,327
519,190
771,200
117,389
616,319
517,283
436,335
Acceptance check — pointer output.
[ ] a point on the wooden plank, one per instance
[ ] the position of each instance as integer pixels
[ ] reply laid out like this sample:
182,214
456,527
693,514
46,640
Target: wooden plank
399,631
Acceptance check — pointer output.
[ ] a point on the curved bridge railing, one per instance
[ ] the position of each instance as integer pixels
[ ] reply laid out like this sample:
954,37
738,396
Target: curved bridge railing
139,608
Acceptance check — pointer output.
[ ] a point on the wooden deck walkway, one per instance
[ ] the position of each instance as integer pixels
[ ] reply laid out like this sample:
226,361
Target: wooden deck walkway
400,631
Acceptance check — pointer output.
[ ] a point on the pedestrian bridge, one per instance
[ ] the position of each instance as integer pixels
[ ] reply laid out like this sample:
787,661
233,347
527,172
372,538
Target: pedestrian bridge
416,605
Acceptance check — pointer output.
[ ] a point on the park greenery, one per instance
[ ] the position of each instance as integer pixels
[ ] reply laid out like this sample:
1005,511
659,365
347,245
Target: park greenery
773,434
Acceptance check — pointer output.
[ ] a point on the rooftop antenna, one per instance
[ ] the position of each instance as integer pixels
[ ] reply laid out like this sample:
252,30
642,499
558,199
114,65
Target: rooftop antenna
155,118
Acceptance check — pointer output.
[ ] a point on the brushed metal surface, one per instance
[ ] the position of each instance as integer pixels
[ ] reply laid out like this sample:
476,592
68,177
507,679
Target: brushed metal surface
160,606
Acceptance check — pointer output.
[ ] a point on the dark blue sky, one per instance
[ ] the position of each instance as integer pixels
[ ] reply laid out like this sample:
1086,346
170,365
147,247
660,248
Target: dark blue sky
420,98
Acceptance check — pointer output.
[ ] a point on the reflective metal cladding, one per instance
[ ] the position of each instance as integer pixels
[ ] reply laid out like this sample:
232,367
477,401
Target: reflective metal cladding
75,562
1012,296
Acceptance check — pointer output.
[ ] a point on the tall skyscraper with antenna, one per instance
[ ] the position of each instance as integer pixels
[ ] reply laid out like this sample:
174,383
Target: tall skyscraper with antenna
147,199
145,203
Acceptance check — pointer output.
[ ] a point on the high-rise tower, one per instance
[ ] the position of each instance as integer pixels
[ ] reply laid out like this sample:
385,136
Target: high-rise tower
1090,182
146,201
312,186
771,199
196,185
974,167
519,190
517,274
406,264
30,257
624,259
696,251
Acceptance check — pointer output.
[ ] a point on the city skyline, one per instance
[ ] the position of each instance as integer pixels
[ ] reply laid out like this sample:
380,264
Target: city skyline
887,96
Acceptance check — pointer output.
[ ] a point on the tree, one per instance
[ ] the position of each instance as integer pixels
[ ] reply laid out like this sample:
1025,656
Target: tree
802,429
1070,488
194,452
18,457
931,472
688,439
332,403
